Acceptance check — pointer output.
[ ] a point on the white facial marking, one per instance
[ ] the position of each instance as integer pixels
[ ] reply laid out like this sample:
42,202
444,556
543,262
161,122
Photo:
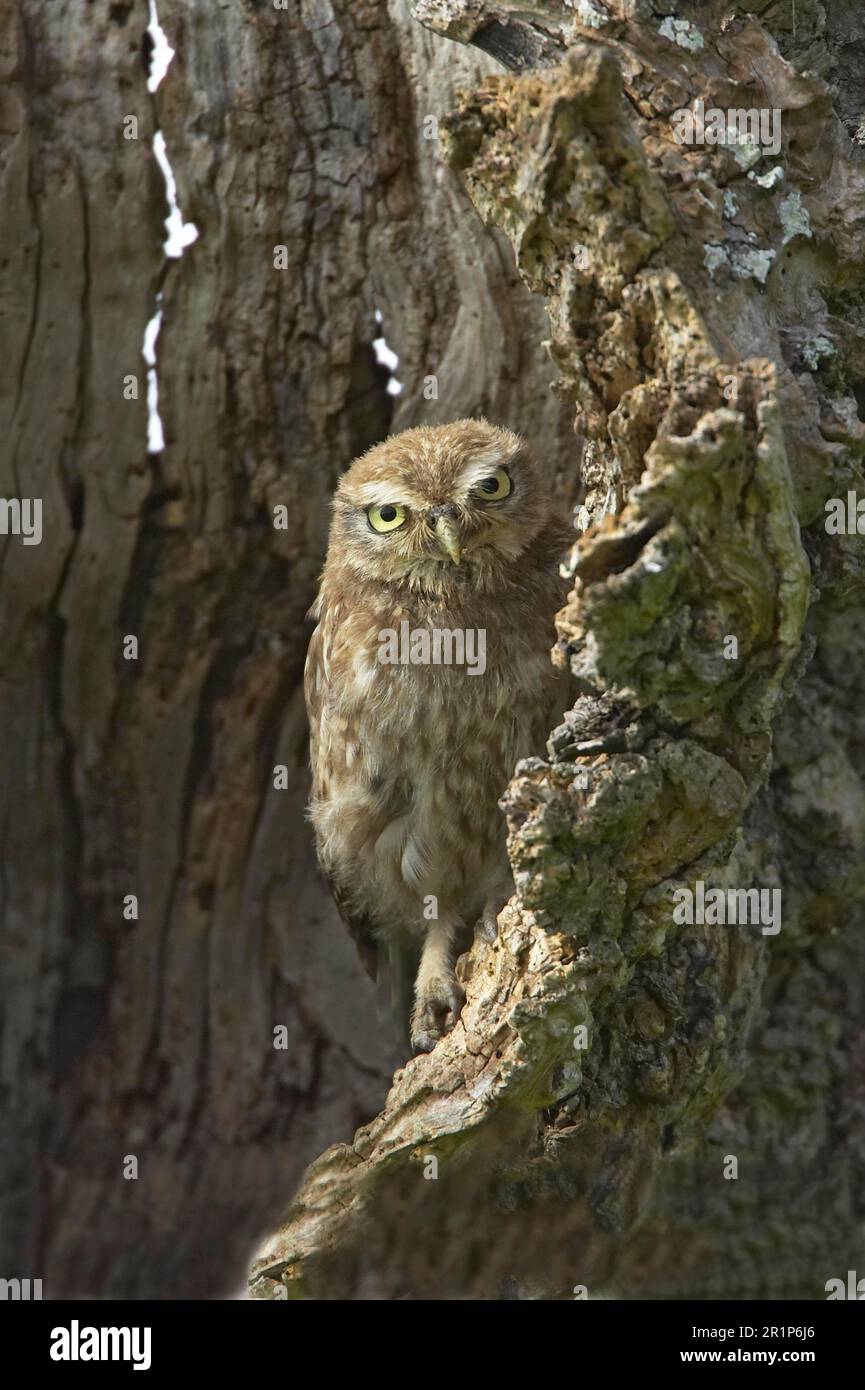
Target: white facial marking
375,494
480,467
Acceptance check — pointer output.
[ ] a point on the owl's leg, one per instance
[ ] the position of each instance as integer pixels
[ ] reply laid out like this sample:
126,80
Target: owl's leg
438,994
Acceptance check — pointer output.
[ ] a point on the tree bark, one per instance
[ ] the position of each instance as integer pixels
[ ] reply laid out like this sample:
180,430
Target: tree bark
706,321
154,1039
708,402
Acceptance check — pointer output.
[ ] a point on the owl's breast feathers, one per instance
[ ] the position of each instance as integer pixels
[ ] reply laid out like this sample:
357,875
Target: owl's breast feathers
385,669
409,758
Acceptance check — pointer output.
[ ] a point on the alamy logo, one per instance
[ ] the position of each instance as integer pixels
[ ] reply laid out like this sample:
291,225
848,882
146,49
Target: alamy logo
20,1290
437,646
733,906
76,1343
737,126
854,1289
845,518
21,516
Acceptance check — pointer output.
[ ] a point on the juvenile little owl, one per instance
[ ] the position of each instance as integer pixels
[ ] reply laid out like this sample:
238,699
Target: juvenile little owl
428,677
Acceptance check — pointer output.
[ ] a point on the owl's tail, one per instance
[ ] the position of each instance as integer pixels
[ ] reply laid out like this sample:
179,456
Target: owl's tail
397,966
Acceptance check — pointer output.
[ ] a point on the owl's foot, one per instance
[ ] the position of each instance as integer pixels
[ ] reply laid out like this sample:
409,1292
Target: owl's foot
488,927
435,1012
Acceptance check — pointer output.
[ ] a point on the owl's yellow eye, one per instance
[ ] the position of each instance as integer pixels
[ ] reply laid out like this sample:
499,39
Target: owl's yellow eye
387,517
496,486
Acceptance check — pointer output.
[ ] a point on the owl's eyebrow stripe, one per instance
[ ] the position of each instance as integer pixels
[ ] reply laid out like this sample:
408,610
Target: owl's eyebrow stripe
377,495
485,458
480,468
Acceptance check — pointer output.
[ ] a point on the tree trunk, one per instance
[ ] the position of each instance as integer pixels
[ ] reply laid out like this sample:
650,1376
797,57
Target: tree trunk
706,408
157,1039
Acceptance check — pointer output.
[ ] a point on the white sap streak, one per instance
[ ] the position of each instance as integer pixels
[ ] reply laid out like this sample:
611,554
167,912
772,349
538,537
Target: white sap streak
155,434
162,51
387,357
178,234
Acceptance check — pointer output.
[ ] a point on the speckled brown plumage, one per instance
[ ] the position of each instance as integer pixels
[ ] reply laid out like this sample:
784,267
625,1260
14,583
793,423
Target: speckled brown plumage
409,761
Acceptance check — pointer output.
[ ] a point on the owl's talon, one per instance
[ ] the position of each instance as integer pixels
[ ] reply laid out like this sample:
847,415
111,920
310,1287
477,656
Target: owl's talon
487,928
435,1013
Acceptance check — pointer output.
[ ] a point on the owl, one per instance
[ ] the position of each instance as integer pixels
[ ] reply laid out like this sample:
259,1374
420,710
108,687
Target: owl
428,677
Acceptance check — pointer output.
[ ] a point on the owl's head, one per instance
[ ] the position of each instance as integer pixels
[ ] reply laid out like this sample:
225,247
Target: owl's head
436,507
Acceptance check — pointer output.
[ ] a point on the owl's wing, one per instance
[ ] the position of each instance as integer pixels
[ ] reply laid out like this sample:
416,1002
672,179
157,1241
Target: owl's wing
316,680
314,683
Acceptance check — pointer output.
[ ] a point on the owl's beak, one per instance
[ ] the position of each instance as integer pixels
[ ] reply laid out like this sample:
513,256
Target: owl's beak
448,537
